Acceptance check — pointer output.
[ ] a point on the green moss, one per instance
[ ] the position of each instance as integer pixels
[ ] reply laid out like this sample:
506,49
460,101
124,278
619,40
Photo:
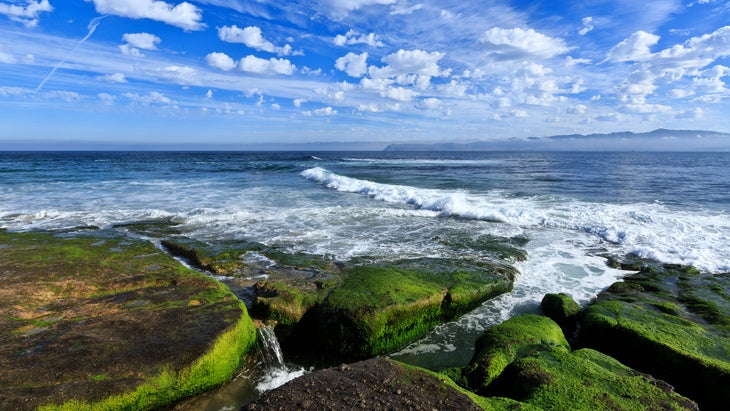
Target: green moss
380,308
583,380
677,324
502,344
562,309
127,326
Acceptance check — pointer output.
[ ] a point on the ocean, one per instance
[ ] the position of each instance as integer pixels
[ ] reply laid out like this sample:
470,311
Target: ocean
574,208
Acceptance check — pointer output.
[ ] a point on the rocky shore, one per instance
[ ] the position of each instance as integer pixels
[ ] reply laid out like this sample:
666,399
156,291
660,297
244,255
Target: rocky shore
99,319
663,328
102,321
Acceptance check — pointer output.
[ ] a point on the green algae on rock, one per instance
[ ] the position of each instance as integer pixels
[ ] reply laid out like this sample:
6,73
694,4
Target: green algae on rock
379,308
502,344
562,309
99,321
672,322
528,360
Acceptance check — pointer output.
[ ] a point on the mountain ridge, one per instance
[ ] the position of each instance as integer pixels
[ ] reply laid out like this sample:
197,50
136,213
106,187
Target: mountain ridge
657,140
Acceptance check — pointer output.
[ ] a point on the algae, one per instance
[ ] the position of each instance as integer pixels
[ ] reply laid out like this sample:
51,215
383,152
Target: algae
677,323
124,325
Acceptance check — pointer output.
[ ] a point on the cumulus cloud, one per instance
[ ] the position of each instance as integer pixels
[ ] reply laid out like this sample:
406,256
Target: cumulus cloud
153,97
220,61
634,48
514,43
251,37
113,78
353,37
183,15
28,14
322,112
410,62
130,51
145,41
355,65
253,64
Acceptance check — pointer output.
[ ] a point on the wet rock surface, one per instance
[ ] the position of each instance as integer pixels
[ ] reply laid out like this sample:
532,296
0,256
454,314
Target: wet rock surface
101,318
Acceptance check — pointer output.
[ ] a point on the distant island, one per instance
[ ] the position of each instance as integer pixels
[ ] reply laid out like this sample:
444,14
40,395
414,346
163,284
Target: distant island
657,140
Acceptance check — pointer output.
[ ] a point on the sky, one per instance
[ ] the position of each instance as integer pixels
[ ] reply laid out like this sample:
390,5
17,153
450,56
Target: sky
382,71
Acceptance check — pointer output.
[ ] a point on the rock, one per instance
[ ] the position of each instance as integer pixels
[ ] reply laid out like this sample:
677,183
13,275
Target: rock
119,323
526,359
380,308
502,344
671,322
373,384
562,309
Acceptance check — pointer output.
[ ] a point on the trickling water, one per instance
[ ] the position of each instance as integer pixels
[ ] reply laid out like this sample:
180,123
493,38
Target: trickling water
277,371
270,348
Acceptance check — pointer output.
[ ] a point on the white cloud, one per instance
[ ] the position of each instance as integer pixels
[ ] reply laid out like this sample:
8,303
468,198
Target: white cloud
28,15
430,103
693,114
322,112
512,43
7,58
145,41
325,111
401,9
253,64
153,97
220,61
355,65
183,15
251,37
130,51
298,102
634,48
353,37
404,62
209,94
184,75
350,5
107,99
113,78
399,94
587,26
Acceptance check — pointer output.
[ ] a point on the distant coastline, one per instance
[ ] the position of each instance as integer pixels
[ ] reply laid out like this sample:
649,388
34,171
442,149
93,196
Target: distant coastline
657,140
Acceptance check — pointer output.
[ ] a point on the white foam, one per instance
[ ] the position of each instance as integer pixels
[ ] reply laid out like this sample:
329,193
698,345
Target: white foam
652,230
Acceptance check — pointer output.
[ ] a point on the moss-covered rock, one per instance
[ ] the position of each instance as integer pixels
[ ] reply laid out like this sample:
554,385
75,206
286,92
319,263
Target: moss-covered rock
502,344
527,360
380,308
99,321
671,322
583,380
562,309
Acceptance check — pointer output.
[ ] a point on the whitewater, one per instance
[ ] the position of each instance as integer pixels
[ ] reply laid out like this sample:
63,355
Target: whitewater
573,209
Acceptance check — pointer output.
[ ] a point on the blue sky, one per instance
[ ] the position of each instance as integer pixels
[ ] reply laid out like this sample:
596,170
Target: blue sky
255,71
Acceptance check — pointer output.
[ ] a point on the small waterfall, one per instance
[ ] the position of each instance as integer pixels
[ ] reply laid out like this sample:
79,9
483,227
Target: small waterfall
270,348
277,372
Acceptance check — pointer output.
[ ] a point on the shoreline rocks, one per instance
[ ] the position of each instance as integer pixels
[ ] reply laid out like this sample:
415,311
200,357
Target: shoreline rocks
96,319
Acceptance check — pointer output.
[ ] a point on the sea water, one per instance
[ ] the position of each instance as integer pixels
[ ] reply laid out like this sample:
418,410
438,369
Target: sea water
574,208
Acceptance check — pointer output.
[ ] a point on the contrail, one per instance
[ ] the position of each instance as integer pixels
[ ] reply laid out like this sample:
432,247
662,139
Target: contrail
93,24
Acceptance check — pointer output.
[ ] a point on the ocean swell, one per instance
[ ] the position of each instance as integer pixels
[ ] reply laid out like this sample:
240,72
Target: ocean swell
652,230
